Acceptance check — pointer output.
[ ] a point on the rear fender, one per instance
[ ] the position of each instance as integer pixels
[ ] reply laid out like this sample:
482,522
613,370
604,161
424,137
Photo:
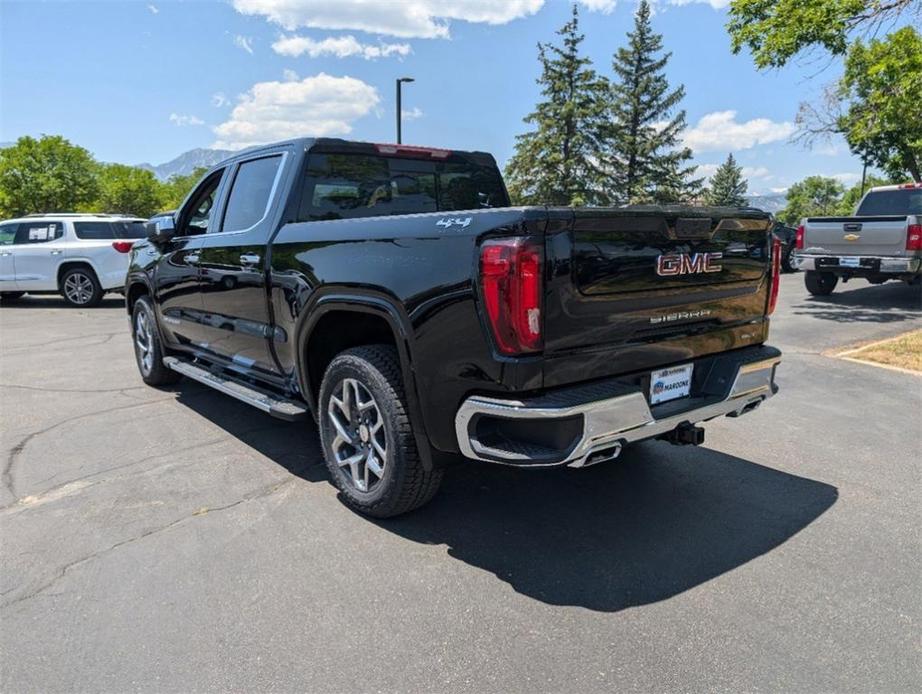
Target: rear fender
399,324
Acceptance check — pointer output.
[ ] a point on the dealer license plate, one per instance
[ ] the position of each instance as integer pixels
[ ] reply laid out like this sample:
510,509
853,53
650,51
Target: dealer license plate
669,384
849,261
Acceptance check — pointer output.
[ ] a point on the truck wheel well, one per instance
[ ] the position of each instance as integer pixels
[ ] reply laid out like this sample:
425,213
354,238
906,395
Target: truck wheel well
135,291
337,331
64,267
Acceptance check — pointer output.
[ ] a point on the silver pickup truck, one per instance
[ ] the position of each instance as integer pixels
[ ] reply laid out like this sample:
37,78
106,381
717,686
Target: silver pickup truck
883,241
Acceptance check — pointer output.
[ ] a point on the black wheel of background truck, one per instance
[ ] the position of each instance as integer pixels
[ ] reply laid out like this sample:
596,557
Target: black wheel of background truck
820,283
80,288
10,297
366,434
148,351
786,260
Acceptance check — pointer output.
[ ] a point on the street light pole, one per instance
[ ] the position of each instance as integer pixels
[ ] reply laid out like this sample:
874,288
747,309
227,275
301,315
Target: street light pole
400,81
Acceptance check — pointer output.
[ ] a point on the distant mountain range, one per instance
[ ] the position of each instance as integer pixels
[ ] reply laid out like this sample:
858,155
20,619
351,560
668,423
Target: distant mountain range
770,203
187,162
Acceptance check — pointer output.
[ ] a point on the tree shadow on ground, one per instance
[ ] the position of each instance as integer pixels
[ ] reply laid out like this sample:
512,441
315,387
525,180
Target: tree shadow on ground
653,524
887,303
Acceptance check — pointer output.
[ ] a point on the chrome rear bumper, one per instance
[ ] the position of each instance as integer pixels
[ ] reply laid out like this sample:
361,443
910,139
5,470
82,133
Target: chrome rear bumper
621,415
885,265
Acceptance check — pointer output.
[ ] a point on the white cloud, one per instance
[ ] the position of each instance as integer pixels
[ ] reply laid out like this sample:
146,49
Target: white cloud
706,170
756,172
183,120
314,106
218,100
720,131
153,9
847,178
778,191
603,6
244,42
828,149
411,114
403,18
716,4
290,75
339,46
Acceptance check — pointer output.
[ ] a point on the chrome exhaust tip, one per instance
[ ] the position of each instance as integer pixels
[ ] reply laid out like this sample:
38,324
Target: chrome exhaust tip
601,455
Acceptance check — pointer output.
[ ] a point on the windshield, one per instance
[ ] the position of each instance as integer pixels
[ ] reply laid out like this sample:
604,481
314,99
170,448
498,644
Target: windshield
905,201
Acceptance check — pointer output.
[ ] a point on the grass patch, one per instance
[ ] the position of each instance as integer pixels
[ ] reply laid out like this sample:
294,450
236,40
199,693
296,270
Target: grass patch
904,352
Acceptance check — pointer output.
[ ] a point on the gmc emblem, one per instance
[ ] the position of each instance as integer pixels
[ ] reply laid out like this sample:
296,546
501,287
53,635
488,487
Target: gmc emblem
687,263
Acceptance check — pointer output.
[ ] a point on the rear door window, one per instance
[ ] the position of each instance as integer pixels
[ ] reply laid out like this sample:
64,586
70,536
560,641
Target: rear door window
38,232
109,230
250,193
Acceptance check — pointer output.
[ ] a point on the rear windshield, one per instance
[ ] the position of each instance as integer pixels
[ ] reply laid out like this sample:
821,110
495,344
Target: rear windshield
883,202
109,230
344,186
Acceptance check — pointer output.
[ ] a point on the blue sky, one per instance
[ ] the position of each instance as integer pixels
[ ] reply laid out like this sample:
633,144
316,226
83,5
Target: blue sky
145,81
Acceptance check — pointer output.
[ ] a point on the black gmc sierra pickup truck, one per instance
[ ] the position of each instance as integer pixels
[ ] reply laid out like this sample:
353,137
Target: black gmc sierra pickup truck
393,293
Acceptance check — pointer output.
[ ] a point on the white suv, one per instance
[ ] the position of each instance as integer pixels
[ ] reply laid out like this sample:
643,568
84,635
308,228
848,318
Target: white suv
81,256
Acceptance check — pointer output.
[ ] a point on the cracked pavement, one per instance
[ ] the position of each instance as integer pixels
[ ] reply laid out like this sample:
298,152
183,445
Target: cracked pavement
176,540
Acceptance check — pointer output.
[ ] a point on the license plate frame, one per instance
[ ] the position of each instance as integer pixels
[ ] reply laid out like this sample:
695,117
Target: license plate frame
670,384
849,261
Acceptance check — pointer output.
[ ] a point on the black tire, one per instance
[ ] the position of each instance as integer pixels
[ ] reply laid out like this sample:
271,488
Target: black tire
80,288
820,283
404,484
148,352
11,296
786,265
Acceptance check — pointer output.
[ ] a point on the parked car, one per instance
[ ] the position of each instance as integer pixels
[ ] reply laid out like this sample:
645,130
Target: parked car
393,293
787,236
80,256
883,241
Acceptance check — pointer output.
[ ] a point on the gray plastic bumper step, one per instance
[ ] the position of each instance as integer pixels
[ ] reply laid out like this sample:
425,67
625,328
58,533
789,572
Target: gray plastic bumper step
289,410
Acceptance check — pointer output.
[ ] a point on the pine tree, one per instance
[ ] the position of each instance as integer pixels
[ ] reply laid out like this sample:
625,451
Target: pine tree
728,187
643,160
557,162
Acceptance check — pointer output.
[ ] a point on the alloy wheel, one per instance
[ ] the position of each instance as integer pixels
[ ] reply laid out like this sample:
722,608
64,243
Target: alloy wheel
78,288
360,442
143,341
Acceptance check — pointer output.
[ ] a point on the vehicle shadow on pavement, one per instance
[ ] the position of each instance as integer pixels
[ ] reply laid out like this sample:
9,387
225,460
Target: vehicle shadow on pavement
887,303
654,523
638,530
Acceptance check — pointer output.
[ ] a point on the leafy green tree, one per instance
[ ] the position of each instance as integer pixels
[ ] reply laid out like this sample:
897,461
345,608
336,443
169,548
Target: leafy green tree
882,86
128,189
853,195
46,175
775,31
642,158
815,196
557,162
728,187
177,187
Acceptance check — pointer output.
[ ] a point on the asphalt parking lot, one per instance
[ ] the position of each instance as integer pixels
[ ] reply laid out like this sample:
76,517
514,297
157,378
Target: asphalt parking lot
177,540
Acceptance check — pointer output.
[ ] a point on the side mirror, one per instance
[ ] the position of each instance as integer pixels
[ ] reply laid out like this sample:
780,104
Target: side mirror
161,229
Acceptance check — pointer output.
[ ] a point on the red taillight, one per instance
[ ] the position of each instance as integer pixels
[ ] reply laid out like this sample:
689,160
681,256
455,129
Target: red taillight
914,237
799,237
122,246
510,279
776,275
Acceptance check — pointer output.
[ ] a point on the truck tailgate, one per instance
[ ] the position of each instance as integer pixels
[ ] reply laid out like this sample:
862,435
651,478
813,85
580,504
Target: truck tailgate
622,279
877,236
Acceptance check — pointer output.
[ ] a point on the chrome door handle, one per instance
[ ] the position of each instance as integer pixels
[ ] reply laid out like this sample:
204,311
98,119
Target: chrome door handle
6,253
56,252
192,258
249,259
